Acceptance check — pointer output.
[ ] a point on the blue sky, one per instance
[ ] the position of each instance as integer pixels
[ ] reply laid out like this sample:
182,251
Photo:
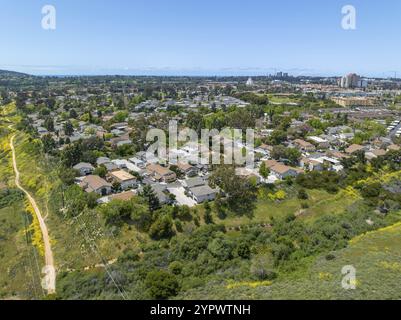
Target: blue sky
195,37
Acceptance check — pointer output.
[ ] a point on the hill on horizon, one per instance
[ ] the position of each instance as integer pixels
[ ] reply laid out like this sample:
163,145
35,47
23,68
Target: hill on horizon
13,73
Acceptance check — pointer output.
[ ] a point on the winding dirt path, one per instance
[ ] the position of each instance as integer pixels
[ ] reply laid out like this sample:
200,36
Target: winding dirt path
49,281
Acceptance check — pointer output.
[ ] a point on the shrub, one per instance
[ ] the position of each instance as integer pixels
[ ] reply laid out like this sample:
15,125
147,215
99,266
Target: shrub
178,225
304,205
175,267
162,228
330,257
302,195
161,284
8,196
243,250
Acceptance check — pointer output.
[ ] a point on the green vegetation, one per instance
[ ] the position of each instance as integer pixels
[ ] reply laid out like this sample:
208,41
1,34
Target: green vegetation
284,240
375,257
20,263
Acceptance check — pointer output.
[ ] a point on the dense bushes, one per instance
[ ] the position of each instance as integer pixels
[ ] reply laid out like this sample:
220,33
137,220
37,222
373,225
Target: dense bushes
161,284
327,180
162,228
9,196
163,269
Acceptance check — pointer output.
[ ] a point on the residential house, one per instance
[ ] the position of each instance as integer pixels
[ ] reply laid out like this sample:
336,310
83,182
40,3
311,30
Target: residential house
248,174
102,160
393,147
84,168
320,142
159,173
264,149
42,131
310,164
304,145
337,154
203,193
138,162
193,182
120,126
123,196
369,155
353,148
161,193
121,140
147,157
123,143
346,136
95,184
125,179
111,166
280,170
187,169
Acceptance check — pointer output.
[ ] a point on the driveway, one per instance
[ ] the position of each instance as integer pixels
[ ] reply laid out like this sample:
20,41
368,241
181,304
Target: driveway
393,132
181,198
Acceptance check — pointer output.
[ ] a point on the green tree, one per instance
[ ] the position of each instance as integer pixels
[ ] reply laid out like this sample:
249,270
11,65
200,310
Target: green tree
243,250
116,212
71,155
241,193
67,175
162,228
302,195
101,171
175,267
264,170
161,284
49,124
73,114
141,216
48,143
68,128
277,137
208,213
150,197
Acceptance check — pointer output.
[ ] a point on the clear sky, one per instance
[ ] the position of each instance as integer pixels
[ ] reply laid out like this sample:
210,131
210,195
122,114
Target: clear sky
201,37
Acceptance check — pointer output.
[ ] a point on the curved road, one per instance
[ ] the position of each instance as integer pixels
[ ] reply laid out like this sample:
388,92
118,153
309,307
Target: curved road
49,281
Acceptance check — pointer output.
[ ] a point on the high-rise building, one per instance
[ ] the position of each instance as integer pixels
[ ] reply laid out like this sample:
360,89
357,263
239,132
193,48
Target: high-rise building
352,80
249,83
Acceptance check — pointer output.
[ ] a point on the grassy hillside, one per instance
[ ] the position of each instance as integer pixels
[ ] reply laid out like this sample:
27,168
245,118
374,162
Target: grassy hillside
375,255
319,203
20,262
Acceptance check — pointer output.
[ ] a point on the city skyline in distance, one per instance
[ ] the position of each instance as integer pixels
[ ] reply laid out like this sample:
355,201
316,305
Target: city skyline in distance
61,71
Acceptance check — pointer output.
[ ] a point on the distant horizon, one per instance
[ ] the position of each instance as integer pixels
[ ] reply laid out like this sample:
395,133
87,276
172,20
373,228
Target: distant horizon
207,38
154,72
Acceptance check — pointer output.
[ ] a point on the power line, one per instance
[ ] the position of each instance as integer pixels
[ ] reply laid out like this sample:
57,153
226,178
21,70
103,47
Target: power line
30,247
105,263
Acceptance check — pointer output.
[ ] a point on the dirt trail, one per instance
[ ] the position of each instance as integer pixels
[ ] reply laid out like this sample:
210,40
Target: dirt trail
49,281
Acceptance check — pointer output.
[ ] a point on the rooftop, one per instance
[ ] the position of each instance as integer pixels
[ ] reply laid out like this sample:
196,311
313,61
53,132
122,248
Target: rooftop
122,175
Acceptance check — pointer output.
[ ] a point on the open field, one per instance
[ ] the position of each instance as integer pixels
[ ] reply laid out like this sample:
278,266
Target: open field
320,202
